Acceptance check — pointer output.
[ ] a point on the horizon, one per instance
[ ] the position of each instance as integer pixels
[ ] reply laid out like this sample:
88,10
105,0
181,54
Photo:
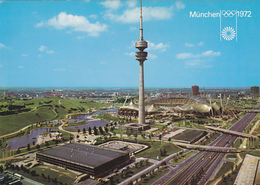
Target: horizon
200,87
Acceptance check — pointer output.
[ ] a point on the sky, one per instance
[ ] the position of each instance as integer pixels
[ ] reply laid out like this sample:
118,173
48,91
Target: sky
90,43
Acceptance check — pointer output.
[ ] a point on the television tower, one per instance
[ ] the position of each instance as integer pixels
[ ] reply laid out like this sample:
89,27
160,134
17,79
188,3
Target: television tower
141,57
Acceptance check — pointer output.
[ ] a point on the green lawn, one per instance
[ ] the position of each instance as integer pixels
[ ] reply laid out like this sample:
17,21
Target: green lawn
106,117
121,176
151,178
223,169
43,109
53,172
12,123
183,157
154,150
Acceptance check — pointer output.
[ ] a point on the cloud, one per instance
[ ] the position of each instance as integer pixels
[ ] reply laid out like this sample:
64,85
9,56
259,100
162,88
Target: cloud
185,56
39,56
111,4
179,5
45,49
24,55
189,45
40,24
80,37
149,13
200,43
2,46
131,3
162,47
87,1
130,54
198,63
151,56
209,53
94,16
102,63
1,65
132,28
42,48
75,23
20,67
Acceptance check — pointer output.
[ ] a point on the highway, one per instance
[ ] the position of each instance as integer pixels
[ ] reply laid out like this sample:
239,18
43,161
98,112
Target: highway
208,161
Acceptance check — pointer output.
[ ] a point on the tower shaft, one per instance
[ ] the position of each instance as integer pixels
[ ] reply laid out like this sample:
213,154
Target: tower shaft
141,93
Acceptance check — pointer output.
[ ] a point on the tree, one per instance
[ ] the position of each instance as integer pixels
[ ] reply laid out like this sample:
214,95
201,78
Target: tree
128,133
38,146
28,147
163,151
84,131
101,130
95,130
18,151
89,130
78,130
33,173
106,129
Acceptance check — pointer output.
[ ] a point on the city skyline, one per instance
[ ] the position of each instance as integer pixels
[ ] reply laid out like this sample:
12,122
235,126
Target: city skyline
91,44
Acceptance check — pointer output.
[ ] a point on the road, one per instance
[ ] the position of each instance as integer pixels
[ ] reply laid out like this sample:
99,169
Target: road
208,161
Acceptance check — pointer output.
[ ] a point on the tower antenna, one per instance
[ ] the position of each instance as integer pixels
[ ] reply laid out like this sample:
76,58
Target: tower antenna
141,21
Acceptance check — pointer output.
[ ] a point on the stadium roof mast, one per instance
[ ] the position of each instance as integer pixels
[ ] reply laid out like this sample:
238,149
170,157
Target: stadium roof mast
141,55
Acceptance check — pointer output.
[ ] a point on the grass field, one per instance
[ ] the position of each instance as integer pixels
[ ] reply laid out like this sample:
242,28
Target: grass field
50,172
154,150
120,177
43,109
223,169
228,180
151,178
184,156
106,117
12,123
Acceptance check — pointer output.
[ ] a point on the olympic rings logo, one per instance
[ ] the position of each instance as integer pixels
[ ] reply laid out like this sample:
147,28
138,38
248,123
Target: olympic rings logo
228,13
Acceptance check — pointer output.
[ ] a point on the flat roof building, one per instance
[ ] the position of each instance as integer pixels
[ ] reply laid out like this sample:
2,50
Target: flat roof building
195,90
135,127
249,172
255,91
84,158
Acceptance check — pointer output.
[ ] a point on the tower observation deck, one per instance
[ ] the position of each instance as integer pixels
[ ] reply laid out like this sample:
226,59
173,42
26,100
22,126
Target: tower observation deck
141,55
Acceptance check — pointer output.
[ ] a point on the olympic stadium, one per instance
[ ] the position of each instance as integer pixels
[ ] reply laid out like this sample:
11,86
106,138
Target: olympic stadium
173,104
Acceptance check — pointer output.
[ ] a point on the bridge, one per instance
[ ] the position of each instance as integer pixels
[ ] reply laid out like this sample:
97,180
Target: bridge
242,134
209,148
246,110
